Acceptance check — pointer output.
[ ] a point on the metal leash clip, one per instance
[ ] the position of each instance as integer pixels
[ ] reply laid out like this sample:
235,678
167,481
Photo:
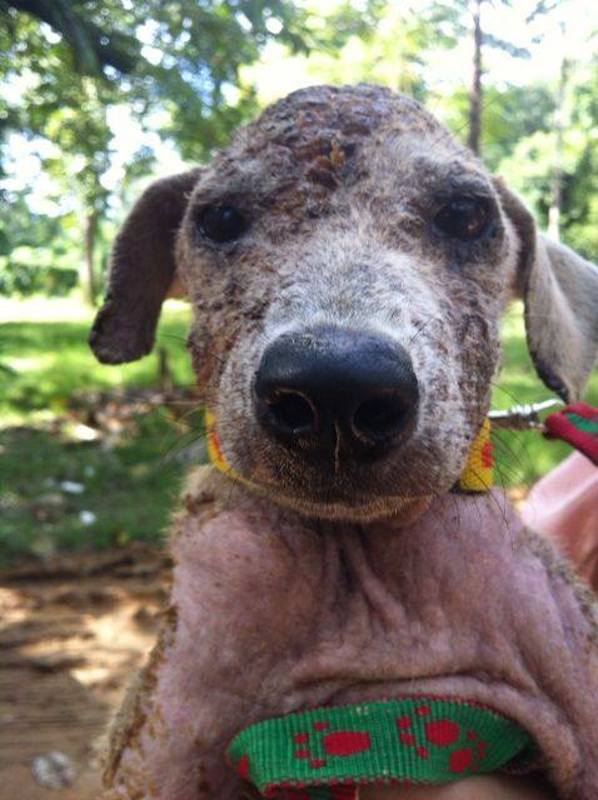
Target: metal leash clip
523,417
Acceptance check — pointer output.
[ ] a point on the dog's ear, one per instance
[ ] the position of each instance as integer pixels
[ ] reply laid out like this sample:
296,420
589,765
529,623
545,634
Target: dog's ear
142,270
560,293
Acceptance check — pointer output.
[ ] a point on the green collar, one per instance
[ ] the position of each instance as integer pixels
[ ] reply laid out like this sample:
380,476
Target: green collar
327,752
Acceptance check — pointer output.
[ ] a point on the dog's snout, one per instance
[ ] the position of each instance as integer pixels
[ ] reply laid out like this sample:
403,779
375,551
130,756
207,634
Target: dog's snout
332,387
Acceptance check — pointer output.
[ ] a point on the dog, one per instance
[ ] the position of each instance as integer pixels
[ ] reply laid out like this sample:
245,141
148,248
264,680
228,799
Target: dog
348,263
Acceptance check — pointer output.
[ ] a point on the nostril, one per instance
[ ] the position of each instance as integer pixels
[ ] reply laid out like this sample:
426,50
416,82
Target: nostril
380,417
291,412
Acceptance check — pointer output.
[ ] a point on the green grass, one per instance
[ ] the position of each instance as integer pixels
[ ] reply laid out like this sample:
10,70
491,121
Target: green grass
130,481
130,488
52,362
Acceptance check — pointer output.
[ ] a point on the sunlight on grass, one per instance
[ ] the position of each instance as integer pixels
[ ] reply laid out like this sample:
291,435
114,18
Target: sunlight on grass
31,363
130,483
45,309
53,361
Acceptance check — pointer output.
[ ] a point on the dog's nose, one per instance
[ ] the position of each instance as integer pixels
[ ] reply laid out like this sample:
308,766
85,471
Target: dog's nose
332,387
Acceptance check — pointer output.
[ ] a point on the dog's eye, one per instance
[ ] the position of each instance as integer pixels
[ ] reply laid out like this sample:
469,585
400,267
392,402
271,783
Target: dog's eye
221,223
463,218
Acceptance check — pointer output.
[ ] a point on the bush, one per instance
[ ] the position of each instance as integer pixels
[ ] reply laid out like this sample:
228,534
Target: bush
19,278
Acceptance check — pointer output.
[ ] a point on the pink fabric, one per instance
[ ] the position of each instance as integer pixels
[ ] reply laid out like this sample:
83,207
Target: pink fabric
564,507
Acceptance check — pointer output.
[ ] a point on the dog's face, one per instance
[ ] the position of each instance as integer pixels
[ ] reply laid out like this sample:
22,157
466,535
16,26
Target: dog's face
386,245
347,264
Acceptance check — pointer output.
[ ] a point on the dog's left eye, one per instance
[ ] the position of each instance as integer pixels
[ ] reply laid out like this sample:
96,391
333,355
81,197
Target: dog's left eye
463,218
221,223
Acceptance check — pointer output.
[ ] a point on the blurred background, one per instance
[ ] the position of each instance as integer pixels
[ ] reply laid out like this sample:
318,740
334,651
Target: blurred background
97,98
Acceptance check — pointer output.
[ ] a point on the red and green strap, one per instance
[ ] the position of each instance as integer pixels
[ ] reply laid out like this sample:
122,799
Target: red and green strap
577,424
327,752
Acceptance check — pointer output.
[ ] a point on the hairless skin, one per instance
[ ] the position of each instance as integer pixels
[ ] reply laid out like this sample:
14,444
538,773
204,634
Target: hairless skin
347,264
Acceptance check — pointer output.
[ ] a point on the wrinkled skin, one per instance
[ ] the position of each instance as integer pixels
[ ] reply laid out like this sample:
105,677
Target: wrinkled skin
273,613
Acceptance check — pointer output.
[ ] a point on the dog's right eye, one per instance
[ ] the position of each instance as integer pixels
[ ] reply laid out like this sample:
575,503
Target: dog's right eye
221,223
464,218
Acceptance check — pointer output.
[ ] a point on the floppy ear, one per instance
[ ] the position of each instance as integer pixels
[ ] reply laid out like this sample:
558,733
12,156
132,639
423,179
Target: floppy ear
142,269
560,292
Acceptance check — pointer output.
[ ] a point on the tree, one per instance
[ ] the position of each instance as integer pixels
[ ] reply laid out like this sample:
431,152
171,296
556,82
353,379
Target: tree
560,123
94,46
465,17
83,137
530,165
475,94
76,59
378,42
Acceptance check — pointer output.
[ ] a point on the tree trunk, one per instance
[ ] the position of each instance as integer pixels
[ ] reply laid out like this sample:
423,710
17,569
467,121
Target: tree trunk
556,183
165,378
475,94
88,277
92,46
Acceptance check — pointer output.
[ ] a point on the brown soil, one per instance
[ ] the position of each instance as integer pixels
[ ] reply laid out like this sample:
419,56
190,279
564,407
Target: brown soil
72,633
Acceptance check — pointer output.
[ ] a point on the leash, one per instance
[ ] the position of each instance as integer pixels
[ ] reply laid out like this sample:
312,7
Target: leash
576,424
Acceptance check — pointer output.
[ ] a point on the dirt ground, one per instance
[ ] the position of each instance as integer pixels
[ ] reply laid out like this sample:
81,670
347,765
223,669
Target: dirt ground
72,633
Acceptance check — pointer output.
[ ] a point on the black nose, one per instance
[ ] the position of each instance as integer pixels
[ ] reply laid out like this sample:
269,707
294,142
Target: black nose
332,387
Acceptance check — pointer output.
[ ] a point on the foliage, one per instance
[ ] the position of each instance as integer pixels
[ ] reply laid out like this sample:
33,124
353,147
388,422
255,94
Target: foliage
199,50
25,268
385,43
77,60
180,57
528,167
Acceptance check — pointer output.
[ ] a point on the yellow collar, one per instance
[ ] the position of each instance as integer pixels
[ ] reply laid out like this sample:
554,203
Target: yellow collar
478,475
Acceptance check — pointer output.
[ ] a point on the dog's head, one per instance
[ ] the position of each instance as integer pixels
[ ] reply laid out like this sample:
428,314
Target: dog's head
347,263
